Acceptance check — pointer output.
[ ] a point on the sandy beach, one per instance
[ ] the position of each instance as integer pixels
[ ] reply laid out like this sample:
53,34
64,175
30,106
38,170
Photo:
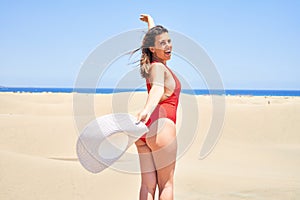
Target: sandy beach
257,156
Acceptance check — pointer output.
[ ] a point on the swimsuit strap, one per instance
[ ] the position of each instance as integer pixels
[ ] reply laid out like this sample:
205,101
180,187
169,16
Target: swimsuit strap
177,82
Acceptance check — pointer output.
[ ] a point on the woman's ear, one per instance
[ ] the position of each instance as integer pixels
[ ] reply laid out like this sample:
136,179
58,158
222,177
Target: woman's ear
152,49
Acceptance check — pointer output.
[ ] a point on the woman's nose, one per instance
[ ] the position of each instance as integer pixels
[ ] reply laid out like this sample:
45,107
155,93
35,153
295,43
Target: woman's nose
168,45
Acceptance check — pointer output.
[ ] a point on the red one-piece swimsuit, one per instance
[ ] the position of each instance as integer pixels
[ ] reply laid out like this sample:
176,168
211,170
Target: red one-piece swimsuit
166,108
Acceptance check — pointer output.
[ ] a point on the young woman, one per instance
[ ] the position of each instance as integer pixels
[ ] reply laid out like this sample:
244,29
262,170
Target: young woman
157,149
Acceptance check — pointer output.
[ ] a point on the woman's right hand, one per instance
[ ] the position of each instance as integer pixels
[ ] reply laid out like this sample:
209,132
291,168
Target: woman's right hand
145,17
148,19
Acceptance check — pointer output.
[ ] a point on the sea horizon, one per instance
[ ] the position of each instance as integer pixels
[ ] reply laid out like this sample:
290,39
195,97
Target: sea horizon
227,92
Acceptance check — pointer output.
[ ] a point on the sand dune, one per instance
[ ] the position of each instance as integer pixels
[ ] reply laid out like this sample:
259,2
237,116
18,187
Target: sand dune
256,157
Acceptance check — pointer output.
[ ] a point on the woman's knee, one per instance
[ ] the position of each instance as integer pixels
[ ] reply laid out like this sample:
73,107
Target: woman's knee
169,184
166,191
150,188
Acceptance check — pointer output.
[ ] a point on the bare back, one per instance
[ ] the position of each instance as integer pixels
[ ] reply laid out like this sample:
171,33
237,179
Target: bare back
166,79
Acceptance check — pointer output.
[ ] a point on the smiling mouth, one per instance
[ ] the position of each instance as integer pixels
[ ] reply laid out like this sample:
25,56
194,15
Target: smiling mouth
168,52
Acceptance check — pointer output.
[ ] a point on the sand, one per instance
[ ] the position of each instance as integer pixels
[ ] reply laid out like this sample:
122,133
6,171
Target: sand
257,156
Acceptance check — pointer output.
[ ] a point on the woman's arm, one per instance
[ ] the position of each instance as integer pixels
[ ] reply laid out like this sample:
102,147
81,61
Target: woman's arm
157,76
148,19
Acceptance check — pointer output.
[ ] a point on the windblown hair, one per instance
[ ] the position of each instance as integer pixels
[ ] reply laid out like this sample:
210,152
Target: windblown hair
148,41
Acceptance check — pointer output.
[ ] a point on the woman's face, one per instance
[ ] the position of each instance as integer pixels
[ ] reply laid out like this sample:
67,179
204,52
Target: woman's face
162,47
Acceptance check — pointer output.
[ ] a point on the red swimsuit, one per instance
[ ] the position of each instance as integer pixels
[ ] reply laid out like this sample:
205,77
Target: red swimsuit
166,108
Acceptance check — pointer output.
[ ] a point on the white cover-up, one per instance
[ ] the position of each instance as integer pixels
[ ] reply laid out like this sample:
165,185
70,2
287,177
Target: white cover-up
105,139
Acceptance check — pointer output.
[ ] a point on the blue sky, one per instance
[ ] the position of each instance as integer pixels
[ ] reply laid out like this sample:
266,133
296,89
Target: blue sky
254,44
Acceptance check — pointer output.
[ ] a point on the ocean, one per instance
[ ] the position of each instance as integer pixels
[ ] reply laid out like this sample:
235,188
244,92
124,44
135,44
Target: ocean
193,92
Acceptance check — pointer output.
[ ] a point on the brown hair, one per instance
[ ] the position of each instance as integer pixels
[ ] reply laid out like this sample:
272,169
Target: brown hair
148,41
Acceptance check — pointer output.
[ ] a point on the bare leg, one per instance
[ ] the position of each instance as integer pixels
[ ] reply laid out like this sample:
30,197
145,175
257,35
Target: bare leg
164,149
148,172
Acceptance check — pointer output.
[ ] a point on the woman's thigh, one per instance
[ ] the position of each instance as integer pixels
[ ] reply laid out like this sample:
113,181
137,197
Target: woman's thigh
163,145
162,141
146,160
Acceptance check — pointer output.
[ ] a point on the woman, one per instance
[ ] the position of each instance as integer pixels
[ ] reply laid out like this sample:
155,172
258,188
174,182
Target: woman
157,149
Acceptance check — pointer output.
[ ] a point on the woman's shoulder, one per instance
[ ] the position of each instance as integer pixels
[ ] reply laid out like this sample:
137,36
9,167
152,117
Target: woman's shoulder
157,66
156,69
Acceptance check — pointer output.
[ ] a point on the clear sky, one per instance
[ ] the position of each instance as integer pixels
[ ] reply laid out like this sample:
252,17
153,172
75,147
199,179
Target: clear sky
254,44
